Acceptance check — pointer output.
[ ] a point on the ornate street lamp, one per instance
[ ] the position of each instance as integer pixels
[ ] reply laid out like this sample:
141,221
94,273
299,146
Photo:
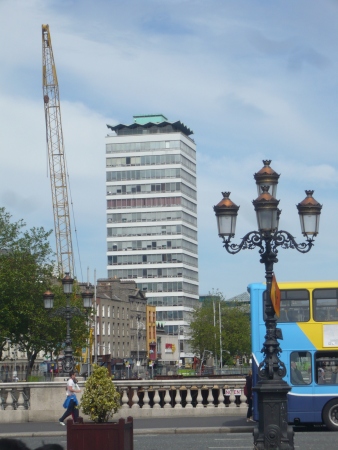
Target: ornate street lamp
267,177
273,430
87,297
67,312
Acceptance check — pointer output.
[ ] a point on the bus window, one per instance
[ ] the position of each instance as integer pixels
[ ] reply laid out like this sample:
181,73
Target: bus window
300,368
294,305
325,305
326,367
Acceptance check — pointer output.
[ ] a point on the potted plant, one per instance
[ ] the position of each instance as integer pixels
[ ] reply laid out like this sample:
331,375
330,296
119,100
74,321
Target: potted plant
100,401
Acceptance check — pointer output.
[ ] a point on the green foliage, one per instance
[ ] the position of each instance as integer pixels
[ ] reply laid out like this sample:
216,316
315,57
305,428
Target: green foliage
235,327
35,378
26,272
100,399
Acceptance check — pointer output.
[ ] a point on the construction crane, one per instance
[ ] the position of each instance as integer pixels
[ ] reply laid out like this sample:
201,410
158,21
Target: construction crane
56,157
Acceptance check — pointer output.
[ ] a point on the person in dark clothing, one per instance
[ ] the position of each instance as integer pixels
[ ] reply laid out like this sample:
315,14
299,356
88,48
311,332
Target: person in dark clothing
12,444
248,388
296,375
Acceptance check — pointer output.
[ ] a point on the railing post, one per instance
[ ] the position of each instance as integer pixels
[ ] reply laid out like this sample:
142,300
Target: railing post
210,398
167,399
146,398
135,398
232,399
221,397
199,398
157,398
242,399
21,400
178,399
125,399
9,399
189,398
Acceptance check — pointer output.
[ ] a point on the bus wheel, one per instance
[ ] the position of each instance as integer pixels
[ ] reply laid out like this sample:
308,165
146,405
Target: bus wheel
330,415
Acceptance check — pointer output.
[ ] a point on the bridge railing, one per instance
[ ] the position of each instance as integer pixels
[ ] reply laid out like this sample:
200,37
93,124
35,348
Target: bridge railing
139,398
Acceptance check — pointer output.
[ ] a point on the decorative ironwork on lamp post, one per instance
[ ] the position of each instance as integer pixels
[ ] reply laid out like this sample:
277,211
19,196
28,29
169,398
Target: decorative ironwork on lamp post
68,312
272,431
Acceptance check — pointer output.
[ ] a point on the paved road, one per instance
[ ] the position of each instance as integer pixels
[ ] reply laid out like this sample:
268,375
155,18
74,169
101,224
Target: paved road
318,440
197,433
52,428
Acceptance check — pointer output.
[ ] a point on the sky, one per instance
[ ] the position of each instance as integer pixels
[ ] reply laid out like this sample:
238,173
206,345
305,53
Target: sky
254,80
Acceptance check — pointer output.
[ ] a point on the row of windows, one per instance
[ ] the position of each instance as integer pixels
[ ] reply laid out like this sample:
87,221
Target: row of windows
172,315
173,301
151,188
322,368
172,286
146,146
295,305
127,175
115,329
169,315
174,272
154,216
102,309
152,129
152,202
151,160
152,245
173,330
149,231
178,286
153,259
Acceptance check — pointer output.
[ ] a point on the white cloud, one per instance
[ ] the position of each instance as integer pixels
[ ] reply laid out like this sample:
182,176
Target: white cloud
224,71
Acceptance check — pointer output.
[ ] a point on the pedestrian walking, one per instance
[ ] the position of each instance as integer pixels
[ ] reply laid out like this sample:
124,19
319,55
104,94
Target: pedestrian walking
71,401
248,393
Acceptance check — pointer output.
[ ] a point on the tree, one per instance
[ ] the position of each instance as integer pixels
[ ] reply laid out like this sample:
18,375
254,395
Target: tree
235,328
26,272
100,399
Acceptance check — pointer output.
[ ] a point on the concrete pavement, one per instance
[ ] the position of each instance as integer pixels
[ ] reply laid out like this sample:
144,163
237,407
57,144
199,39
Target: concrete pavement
182,425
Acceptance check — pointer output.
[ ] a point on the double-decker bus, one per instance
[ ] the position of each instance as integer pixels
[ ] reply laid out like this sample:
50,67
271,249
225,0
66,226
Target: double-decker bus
309,323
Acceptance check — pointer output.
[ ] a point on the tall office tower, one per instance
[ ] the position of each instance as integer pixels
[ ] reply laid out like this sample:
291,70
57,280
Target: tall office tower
152,217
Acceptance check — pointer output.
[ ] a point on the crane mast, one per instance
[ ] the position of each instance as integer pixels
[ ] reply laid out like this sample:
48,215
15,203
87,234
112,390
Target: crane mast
56,157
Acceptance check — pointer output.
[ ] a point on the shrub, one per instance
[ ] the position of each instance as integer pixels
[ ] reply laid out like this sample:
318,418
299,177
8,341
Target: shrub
100,399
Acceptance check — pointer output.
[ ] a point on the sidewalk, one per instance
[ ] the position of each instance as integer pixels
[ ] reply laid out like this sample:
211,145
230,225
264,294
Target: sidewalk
141,426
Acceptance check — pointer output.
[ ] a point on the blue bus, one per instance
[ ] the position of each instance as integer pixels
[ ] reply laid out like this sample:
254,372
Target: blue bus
309,323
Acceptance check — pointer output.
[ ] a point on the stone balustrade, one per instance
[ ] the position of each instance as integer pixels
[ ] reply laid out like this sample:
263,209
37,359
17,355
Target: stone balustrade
29,402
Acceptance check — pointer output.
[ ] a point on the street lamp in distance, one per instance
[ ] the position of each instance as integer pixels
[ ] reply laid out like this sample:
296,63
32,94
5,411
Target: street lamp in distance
67,312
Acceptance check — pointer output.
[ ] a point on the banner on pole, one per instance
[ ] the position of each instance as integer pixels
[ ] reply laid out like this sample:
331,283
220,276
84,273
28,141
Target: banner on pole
275,295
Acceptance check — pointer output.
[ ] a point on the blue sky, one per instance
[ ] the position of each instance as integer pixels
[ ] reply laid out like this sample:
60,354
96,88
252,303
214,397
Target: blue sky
253,79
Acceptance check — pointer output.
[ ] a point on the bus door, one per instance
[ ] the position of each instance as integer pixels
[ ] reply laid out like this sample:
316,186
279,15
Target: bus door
325,379
300,378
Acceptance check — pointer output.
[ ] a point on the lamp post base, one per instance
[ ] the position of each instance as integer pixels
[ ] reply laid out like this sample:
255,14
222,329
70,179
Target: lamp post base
273,431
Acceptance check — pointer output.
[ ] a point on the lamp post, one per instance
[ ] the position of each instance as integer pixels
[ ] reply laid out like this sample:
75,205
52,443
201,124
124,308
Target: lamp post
138,317
87,297
67,312
273,430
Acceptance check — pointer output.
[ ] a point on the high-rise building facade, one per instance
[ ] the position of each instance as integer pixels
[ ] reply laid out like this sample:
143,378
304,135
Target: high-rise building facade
152,216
